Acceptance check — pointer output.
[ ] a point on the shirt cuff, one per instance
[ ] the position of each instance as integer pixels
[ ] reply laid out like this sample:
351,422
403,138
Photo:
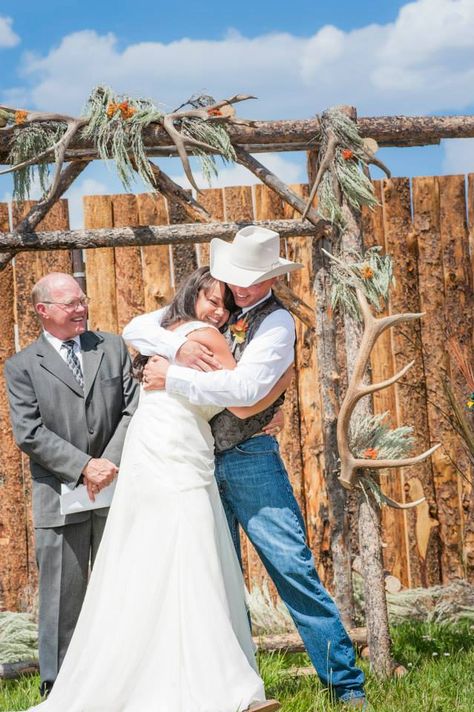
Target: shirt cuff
178,381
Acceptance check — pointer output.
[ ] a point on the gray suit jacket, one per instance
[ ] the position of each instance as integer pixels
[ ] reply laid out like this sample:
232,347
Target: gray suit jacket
59,425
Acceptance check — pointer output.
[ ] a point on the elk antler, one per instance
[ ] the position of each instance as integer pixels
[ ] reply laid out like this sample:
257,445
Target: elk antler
373,327
210,112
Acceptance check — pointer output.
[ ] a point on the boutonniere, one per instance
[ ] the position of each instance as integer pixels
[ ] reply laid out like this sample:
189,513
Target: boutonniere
239,331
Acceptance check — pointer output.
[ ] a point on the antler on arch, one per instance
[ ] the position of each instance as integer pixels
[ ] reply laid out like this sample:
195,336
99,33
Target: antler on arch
373,328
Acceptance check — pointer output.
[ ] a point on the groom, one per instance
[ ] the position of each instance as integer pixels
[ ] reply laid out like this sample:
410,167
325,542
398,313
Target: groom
252,480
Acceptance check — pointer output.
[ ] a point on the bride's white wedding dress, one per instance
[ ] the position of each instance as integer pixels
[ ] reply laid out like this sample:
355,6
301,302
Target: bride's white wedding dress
164,625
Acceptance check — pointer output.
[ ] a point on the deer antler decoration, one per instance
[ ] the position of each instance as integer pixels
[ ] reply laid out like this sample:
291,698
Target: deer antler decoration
373,328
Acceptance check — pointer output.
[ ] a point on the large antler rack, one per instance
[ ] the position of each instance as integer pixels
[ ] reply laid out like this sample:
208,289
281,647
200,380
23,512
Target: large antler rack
357,389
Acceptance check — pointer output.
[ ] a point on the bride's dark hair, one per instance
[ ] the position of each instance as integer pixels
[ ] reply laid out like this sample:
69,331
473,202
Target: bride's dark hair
183,307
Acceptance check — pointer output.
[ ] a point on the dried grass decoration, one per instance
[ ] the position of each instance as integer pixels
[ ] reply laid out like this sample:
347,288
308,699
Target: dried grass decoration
116,125
372,273
343,161
28,142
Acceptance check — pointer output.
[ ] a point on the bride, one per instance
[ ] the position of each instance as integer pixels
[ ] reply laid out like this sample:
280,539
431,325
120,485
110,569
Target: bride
164,626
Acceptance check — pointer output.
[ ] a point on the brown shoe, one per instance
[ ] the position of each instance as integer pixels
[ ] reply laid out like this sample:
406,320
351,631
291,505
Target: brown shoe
266,706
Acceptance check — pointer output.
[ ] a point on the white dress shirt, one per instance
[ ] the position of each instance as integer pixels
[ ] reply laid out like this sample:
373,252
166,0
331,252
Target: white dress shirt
145,334
57,344
263,362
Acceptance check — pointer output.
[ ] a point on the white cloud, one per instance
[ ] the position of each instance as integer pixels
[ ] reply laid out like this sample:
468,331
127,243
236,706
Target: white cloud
421,63
8,38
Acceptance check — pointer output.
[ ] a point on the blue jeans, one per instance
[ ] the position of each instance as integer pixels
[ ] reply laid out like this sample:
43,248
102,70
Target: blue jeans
256,493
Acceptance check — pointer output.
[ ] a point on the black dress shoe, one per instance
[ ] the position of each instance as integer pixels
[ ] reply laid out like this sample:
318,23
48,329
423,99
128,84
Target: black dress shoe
45,688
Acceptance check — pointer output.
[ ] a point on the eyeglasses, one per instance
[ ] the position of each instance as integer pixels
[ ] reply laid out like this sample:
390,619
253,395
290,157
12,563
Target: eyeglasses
71,306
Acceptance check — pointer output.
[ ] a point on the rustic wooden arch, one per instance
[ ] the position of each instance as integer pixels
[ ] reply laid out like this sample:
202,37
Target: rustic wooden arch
248,139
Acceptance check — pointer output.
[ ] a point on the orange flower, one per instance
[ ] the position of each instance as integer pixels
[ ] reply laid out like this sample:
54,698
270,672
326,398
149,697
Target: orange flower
347,154
366,272
126,111
214,112
239,331
111,109
20,117
370,454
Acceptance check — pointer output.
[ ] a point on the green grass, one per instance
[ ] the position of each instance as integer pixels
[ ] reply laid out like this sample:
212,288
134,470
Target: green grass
439,660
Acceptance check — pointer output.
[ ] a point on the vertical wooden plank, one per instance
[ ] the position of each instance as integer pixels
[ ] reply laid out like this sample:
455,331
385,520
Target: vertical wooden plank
459,307
426,205
13,530
28,268
156,259
394,525
56,219
410,392
470,214
238,205
184,256
470,250
213,200
129,287
100,267
268,206
300,249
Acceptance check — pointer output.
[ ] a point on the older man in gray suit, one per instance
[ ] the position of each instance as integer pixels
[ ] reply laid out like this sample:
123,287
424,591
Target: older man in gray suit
71,399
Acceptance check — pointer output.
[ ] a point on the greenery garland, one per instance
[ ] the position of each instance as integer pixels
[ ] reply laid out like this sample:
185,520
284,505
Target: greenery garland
344,160
29,141
370,272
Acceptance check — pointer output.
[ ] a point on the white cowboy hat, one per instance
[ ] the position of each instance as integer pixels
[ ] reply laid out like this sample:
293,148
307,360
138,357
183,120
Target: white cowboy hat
252,257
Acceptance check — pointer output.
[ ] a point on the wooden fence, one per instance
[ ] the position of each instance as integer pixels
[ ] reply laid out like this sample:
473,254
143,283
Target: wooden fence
424,226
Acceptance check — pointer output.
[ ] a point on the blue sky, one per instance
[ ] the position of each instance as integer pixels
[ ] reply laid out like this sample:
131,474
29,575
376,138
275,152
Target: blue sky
298,57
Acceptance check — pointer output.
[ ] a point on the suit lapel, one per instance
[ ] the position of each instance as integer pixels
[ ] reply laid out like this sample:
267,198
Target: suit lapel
52,362
92,355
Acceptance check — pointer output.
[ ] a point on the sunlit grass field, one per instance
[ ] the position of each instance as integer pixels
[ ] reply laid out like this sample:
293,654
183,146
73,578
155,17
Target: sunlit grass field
439,660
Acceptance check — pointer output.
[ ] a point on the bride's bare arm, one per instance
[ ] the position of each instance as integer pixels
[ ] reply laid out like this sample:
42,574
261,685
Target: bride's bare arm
245,411
216,343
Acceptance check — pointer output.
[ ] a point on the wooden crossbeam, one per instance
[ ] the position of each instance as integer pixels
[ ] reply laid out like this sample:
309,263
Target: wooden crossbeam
294,135
184,233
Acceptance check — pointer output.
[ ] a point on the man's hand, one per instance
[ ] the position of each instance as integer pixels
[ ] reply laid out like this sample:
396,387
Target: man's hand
276,424
154,374
197,356
98,473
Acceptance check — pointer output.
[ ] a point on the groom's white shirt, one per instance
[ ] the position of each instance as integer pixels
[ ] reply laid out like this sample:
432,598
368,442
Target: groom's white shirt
263,362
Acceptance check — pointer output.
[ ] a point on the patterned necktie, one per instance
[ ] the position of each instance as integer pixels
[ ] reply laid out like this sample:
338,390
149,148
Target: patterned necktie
73,361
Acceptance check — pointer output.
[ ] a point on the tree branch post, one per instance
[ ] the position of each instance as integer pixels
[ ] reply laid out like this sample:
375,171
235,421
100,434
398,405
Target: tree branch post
369,521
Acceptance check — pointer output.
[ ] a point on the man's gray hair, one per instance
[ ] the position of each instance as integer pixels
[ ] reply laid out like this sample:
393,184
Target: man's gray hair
40,292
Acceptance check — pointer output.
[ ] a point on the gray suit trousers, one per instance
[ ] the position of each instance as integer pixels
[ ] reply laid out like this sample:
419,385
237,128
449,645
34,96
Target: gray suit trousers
64,556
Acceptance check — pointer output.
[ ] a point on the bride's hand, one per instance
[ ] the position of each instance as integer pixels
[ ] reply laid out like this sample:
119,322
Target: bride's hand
195,355
154,374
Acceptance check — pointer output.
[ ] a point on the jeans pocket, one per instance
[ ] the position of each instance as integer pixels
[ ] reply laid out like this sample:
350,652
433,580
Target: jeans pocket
255,446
